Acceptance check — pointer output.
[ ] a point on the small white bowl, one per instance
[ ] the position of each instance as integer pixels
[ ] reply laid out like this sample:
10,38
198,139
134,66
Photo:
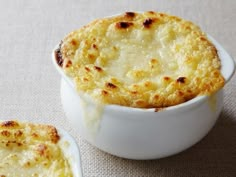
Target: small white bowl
143,133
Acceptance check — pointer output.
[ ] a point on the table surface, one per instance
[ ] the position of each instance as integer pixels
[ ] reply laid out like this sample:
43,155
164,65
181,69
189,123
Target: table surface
30,86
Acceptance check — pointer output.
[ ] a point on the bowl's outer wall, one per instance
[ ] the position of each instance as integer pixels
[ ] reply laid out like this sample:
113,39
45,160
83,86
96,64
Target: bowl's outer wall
144,134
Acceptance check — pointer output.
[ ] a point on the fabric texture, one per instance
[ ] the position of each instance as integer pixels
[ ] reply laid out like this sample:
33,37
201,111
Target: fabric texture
30,86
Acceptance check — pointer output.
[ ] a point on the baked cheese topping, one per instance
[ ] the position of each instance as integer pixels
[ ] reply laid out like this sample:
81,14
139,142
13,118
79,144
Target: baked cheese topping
31,150
143,60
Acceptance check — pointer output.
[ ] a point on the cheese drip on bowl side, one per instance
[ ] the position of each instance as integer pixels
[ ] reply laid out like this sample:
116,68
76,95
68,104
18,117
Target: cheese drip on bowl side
141,60
31,150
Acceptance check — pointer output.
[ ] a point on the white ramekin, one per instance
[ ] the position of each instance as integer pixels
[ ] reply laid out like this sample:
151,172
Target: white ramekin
143,133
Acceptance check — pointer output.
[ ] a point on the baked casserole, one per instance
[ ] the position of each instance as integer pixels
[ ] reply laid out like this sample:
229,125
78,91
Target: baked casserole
142,60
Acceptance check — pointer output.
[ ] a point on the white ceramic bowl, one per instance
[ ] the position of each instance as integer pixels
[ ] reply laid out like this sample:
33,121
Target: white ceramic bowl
143,133
71,151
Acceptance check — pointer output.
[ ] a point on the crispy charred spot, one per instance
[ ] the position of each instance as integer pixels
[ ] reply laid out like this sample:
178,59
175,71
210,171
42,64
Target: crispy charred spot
73,42
148,22
19,133
153,62
214,50
85,79
134,92
91,56
98,68
203,38
8,143
151,12
87,69
68,64
189,97
181,80
166,78
35,135
140,102
58,56
95,46
147,84
27,164
123,25
180,93
187,27
5,133
159,109
130,14
110,85
104,92
156,97
19,144
54,136
216,73
10,124
41,149
189,91
161,14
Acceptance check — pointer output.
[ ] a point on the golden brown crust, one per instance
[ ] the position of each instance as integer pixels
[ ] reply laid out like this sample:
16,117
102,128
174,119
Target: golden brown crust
28,149
142,60
19,131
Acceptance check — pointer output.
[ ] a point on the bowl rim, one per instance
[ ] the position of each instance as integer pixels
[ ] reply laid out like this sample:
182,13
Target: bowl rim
70,151
227,70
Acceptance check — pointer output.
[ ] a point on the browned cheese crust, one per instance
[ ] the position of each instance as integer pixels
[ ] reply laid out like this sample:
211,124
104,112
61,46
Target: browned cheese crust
32,150
144,60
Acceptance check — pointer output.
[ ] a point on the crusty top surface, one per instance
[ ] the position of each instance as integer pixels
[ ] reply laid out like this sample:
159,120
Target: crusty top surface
31,150
143,60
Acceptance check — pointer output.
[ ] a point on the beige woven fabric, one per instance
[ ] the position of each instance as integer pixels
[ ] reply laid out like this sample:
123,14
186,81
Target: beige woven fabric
29,85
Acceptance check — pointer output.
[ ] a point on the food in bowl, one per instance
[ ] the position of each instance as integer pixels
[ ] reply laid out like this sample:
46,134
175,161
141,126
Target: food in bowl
141,60
142,129
36,150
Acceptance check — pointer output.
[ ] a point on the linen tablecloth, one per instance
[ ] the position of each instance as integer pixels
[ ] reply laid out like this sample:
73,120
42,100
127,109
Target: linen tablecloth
30,86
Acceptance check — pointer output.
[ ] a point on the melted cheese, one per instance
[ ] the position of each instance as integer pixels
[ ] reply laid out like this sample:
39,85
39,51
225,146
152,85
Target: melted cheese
31,151
142,60
92,116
